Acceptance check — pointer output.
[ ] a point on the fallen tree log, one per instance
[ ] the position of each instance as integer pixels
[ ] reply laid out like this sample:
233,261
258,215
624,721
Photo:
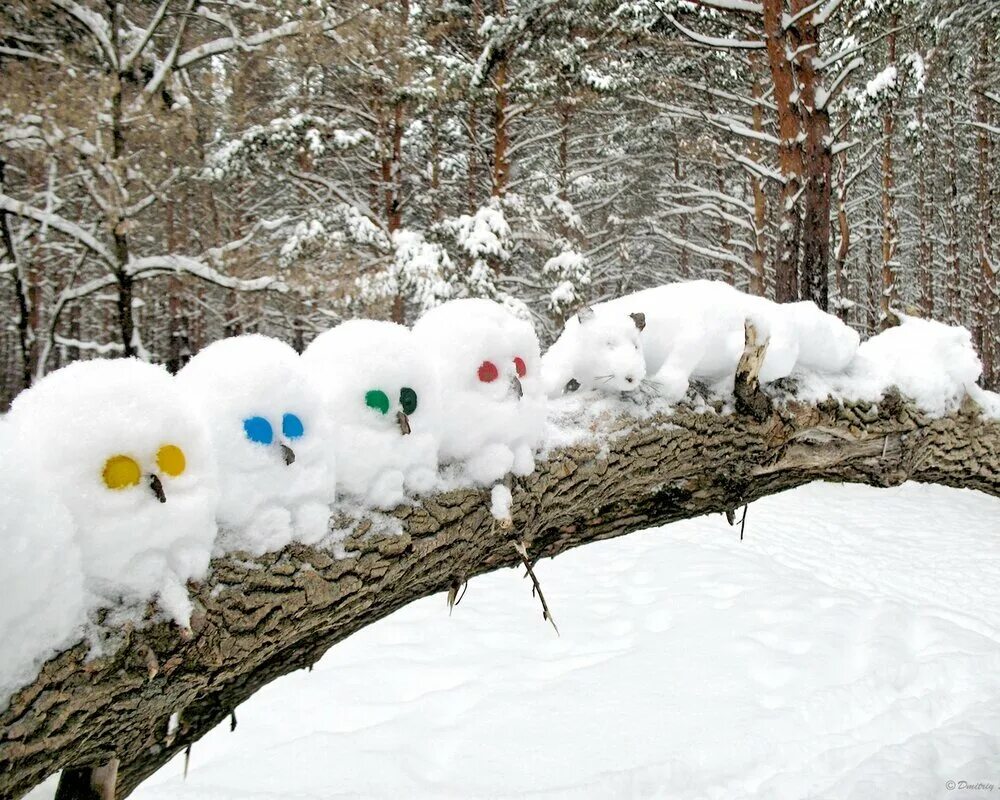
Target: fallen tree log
260,618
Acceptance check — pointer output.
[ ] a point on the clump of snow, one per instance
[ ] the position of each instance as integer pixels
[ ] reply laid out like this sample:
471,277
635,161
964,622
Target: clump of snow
271,439
500,503
825,343
489,372
420,270
43,609
380,392
130,458
486,232
931,363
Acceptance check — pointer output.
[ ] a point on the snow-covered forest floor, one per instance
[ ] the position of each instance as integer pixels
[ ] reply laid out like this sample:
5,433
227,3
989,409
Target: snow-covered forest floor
849,647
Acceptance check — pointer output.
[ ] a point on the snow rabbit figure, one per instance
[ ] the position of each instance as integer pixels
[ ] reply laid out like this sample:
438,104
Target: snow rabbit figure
271,439
380,395
131,460
492,403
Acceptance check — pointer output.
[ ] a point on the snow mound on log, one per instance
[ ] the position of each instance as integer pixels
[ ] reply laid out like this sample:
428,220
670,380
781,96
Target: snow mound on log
492,403
271,439
44,607
130,458
933,364
380,392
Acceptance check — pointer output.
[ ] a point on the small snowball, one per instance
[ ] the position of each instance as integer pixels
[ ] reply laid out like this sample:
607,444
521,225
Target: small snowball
271,439
43,609
492,400
130,458
381,393
500,502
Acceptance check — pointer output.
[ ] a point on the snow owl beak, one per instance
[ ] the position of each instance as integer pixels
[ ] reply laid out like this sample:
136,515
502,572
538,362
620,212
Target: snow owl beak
156,486
288,455
571,386
404,422
518,389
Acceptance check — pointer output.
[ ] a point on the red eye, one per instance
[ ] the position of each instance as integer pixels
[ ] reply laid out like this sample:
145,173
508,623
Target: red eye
488,372
522,370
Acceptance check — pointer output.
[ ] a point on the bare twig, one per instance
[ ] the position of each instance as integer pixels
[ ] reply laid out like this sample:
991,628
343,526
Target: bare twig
522,551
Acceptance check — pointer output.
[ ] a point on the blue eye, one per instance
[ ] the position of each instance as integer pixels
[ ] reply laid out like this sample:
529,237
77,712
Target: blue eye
258,430
292,426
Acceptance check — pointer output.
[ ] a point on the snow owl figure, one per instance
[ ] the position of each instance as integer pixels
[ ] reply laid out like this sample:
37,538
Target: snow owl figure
40,570
492,403
270,439
130,458
380,395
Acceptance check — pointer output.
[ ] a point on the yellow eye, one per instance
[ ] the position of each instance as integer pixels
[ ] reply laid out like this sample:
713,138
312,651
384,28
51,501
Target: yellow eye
120,472
170,459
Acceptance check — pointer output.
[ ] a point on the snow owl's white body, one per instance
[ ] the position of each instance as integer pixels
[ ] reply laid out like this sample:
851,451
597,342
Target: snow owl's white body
130,458
492,402
380,394
40,569
270,438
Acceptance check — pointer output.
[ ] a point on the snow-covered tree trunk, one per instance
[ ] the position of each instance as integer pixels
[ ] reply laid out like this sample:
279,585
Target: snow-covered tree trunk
258,618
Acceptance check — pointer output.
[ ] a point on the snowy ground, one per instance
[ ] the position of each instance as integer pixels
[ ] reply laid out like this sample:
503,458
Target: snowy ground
848,648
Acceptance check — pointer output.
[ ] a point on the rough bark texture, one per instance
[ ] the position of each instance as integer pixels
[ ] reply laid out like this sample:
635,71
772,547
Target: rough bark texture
264,617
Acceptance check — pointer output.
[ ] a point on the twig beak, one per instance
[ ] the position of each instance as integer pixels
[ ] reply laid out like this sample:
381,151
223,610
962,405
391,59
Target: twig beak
156,486
404,422
288,455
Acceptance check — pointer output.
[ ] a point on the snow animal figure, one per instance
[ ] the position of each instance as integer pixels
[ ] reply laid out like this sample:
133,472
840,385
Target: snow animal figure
380,394
690,330
130,458
40,570
596,351
826,344
492,402
271,440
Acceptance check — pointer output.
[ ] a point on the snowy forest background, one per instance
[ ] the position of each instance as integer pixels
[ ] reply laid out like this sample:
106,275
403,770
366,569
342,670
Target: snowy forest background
173,172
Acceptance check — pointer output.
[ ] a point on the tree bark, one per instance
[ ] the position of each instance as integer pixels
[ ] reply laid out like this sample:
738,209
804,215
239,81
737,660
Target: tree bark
258,618
780,43
817,163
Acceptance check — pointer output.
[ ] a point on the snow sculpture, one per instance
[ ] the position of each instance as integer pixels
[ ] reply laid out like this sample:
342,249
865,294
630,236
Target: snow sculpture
690,331
130,459
270,437
40,570
380,394
492,401
596,351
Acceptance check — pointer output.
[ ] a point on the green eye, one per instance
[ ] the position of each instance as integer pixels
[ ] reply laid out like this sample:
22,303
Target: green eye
377,399
408,400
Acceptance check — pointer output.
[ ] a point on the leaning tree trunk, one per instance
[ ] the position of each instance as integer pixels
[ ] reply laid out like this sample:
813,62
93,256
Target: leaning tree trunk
259,618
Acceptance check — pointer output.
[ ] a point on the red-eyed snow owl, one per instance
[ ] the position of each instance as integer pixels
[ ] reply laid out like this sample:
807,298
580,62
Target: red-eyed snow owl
492,403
